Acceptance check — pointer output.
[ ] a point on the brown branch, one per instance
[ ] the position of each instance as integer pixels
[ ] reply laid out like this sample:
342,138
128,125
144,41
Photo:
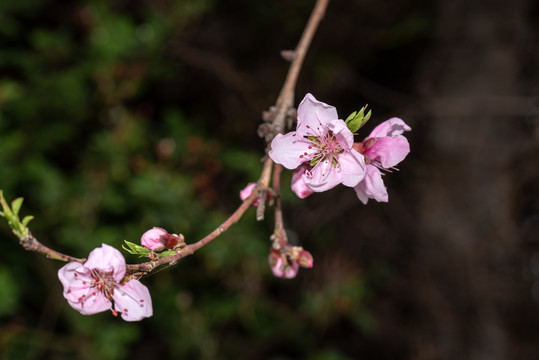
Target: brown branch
285,101
279,231
190,249
286,97
30,243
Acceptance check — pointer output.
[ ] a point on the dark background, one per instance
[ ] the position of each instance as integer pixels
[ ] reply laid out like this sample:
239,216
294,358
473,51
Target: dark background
116,116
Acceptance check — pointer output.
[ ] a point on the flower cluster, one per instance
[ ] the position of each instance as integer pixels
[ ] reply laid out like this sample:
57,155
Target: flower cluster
323,153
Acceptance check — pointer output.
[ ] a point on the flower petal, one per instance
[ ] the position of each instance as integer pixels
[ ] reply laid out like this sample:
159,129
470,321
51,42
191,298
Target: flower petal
388,151
322,177
342,134
78,292
352,167
313,116
133,300
107,259
372,186
391,127
298,185
290,150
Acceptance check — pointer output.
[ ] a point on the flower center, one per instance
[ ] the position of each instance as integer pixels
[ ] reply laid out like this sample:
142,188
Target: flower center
103,283
327,148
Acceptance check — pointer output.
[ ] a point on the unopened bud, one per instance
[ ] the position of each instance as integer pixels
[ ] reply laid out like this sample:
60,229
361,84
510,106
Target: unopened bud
151,239
305,259
247,191
280,268
158,239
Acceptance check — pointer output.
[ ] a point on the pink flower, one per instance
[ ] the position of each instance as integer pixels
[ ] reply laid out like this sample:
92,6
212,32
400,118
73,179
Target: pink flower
323,141
95,286
247,191
384,148
282,270
298,185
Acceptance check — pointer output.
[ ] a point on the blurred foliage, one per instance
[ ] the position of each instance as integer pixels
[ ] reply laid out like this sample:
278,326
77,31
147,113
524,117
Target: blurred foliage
93,137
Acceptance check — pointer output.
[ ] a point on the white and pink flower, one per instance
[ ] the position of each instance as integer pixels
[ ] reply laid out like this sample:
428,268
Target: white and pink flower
96,286
324,142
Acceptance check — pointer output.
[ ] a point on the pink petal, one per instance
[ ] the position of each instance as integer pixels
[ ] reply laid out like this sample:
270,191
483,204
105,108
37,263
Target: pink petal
343,135
298,185
389,151
352,167
391,127
107,259
78,291
290,150
133,300
313,116
372,186
322,177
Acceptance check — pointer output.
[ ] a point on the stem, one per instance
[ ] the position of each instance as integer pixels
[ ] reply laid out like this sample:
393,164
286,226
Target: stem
30,243
285,100
263,183
279,231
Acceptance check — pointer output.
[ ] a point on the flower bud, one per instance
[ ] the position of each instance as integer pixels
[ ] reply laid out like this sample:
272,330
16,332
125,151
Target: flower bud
279,268
156,239
247,191
305,259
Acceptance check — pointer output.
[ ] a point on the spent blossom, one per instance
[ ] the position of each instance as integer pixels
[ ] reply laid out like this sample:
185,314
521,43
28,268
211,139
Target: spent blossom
324,142
96,286
383,149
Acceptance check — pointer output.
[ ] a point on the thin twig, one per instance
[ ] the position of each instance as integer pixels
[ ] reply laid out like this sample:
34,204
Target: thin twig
190,249
286,97
279,231
30,243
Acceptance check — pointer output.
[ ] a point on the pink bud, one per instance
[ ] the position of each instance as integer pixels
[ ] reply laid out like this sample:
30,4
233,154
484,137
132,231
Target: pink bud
151,239
280,269
247,191
305,259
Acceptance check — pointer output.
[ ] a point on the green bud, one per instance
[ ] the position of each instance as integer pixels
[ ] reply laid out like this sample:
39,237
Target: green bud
357,119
